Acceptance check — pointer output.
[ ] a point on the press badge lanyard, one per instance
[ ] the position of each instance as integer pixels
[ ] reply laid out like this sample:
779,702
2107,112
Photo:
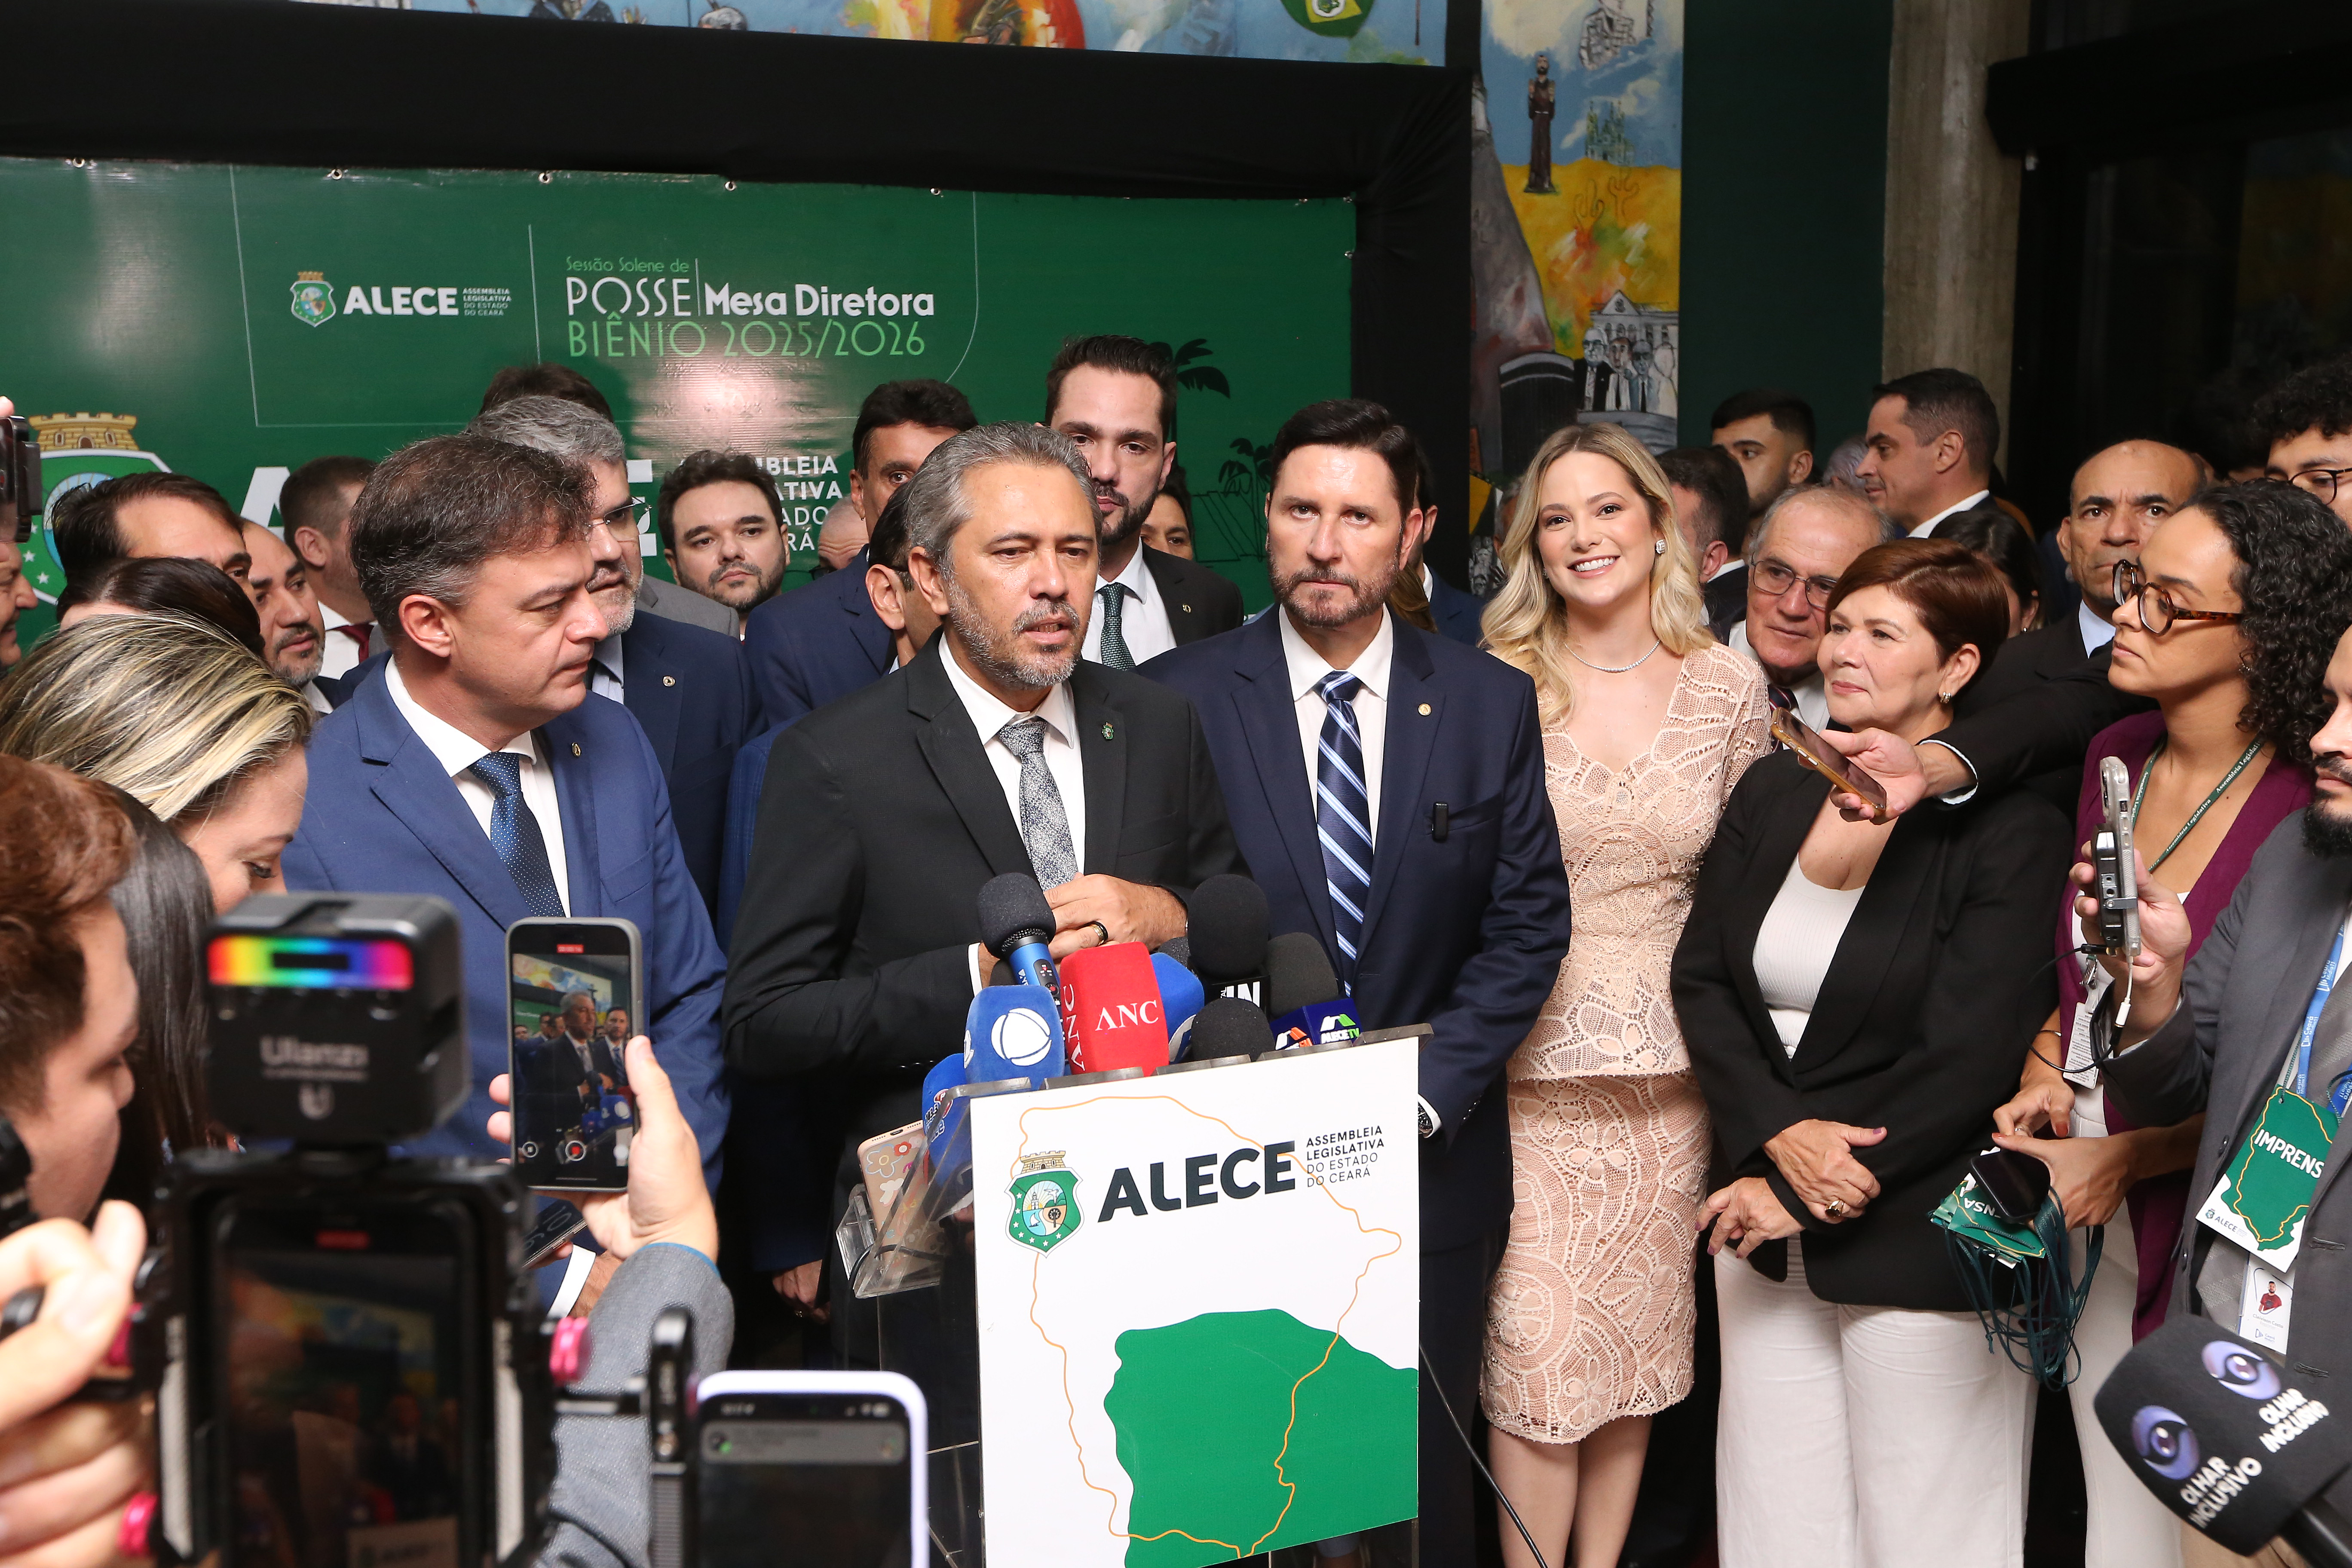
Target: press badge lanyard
2341,1091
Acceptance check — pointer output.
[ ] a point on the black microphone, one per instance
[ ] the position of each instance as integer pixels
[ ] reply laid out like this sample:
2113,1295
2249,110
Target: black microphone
1299,974
1181,950
1016,923
2215,1429
1229,1027
1227,921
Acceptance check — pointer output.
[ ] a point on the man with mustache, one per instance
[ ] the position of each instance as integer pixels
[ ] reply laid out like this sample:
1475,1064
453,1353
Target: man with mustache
722,529
293,633
855,951
1115,398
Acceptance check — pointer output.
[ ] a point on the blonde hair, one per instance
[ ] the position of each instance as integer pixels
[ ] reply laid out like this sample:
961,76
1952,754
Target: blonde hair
172,711
1527,625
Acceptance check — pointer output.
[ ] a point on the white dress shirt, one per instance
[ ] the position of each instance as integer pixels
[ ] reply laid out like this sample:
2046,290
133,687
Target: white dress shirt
1061,715
1928,527
1143,616
2097,633
1812,693
1371,704
458,752
612,685
343,655
316,698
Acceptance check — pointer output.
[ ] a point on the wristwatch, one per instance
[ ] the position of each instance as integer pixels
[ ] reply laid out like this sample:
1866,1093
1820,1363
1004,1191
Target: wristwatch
1428,1121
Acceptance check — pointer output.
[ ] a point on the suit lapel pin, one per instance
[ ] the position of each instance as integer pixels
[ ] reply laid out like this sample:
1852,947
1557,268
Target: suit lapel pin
1107,730
1425,709
669,680
1186,608
575,748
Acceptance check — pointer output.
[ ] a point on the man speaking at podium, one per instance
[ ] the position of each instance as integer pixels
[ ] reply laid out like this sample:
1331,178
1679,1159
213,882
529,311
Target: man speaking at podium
996,750
1387,788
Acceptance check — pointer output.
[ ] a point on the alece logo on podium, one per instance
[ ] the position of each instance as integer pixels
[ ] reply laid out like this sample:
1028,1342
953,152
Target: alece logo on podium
1045,1202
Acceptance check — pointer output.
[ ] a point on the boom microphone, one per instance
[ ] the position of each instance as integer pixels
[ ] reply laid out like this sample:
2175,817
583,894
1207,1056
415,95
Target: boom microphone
1226,923
1012,1031
1228,1027
1180,996
1016,924
1111,1012
2211,1424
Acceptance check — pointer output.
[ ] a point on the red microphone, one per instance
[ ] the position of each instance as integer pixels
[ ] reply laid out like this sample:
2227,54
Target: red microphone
1111,1013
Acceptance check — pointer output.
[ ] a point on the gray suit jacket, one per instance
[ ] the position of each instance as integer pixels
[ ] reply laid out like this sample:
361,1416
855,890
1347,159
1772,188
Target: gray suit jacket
2245,995
686,605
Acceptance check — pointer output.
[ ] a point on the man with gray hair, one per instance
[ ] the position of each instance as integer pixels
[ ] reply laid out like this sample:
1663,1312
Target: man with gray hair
997,749
1806,540
685,683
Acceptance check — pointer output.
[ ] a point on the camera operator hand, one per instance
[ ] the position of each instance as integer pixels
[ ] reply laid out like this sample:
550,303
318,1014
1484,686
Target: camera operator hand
665,1200
67,1469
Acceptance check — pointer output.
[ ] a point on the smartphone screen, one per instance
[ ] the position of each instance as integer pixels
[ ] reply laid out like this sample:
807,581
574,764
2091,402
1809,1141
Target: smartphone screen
343,1370
824,1479
572,986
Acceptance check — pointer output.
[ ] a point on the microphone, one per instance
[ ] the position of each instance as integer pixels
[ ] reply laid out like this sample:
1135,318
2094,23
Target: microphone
2211,1424
1227,921
1181,950
1016,924
1309,1006
949,1073
1012,1031
1111,1011
1180,996
1227,1026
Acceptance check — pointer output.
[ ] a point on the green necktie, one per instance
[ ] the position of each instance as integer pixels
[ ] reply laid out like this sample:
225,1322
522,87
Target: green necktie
1113,653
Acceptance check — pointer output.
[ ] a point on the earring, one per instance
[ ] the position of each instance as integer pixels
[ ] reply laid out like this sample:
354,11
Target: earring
1659,547
1944,698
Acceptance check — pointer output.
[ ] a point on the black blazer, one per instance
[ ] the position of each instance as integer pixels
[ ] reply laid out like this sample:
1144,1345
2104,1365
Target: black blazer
1922,1023
1726,596
1201,603
879,822
689,691
2030,718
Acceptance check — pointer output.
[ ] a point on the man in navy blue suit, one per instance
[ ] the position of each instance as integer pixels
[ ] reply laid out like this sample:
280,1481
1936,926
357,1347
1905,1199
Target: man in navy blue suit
1387,788
821,641
476,766
1454,614
687,685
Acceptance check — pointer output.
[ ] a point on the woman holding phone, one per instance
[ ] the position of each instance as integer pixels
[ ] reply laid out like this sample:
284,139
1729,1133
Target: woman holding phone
1858,997
1647,725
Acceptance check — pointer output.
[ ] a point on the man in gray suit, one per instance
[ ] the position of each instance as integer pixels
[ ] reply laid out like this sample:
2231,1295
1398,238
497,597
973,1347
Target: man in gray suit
2254,1032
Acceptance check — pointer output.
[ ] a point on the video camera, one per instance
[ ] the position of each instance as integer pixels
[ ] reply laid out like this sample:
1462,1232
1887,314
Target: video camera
348,1354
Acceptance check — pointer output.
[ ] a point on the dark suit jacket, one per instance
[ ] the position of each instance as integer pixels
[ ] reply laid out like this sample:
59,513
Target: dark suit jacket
382,818
1726,594
689,689
880,821
1466,934
1456,613
1200,602
2242,1007
816,644
2029,717
1922,1022
336,688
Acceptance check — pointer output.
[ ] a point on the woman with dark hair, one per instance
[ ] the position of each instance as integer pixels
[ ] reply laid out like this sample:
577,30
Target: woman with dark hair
2226,622
2002,541
1857,998
162,585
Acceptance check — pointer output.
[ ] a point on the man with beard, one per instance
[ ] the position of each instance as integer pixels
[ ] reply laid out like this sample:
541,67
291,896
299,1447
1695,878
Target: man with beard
1115,398
2254,1032
1387,789
686,686
722,530
293,633
856,951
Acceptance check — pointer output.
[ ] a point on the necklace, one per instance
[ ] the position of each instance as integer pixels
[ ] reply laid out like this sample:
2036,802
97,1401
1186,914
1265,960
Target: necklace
1610,668
2196,816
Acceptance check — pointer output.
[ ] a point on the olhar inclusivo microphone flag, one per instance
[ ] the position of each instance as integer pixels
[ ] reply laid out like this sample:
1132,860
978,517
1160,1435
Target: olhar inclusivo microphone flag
2226,1438
1180,996
1016,924
1013,1031
1111,1014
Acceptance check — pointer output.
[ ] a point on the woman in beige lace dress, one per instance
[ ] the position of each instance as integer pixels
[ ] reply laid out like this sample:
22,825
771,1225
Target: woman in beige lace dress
1647,725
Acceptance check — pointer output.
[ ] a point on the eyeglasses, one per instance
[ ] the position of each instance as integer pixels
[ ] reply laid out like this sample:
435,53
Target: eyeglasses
2158,610
2320,482
629,517
1777,579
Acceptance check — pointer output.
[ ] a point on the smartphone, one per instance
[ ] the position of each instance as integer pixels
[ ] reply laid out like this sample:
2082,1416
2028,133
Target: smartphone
2116,879
884,1162
558,1222
574,988
827,1467
2013,1184
1823,758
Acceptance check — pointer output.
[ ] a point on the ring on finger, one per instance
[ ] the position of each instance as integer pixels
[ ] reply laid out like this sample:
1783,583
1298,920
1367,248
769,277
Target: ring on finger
1834,1208
1102,933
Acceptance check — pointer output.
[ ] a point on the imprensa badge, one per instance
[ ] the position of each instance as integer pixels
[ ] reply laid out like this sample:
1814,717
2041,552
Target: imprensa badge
1045,1202
2262,1199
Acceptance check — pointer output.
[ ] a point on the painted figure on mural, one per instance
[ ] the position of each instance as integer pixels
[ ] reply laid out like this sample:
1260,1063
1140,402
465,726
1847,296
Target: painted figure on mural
1542,97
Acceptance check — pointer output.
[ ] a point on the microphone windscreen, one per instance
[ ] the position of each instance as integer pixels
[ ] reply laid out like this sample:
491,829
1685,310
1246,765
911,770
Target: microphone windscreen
1226,921
1229,1027
1180,996
1013,1031
1181,950
1297,973
949,1073
2220,1432
1111,1012
1012,907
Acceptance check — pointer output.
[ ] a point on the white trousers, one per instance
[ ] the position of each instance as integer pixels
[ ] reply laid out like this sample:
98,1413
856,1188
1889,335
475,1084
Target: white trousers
1863,1436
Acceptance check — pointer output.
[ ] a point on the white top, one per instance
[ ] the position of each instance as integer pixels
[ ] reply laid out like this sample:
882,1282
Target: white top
2097,633
1928,527
343,652
458,752
1813,694
1061,715
1142,619
608,653
1371,704
1793,948
316,698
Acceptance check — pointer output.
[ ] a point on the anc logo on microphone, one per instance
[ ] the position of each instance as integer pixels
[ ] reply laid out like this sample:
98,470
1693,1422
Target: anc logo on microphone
1045,1202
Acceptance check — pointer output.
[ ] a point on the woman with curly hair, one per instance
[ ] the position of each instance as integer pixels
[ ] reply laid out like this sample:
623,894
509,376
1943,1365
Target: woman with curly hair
2227,621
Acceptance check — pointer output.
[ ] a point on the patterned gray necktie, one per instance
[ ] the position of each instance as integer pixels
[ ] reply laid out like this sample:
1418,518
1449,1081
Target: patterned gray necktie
1045,827
1112,654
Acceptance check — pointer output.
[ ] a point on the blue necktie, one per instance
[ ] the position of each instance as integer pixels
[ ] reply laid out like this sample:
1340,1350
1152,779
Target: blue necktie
1343,816
514,833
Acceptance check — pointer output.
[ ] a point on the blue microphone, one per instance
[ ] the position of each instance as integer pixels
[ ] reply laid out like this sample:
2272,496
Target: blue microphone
1013,1031
1016,924
1180,996
945,1076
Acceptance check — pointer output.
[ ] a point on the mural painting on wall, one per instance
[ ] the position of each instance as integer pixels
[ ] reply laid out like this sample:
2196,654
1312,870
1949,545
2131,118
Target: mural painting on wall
1404,32
1576,216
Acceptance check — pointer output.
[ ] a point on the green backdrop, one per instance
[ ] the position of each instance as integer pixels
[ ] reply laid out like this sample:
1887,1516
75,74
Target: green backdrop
249,320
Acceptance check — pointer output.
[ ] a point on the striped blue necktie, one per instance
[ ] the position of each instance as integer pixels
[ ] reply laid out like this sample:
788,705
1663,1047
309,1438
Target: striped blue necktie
515,835
1343,816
